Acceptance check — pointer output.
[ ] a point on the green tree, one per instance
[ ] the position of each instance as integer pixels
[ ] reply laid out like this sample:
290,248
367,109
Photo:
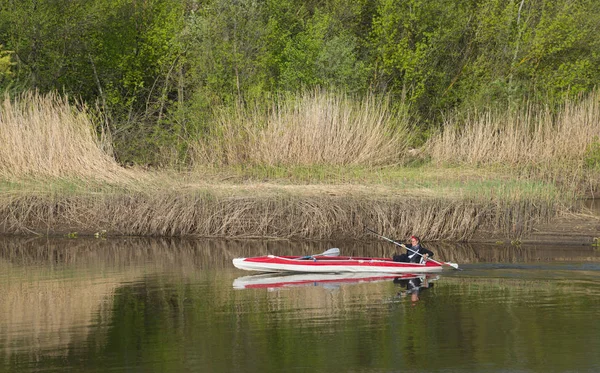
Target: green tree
6,73
119,52
323,54
420,49
564,57
538,50
158,68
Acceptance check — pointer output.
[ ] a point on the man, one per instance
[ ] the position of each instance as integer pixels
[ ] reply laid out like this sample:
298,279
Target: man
415,253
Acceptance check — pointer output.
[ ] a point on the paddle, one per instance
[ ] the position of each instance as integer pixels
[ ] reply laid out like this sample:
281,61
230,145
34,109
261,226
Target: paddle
331,252
453,265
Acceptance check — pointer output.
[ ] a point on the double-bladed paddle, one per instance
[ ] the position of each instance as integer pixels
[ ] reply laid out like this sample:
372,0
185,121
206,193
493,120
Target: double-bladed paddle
331,252
453,265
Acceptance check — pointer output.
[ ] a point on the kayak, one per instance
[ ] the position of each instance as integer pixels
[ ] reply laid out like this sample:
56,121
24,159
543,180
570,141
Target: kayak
332,264
278,280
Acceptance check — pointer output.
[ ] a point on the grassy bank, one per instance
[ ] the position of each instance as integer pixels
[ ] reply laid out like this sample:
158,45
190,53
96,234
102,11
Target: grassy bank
315,167
160,206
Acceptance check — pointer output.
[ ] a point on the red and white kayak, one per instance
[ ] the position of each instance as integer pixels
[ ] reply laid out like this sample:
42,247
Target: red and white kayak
332,264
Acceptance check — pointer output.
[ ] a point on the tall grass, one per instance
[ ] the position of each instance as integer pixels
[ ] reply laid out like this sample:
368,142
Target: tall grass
313,128
44,135
559,147
527,136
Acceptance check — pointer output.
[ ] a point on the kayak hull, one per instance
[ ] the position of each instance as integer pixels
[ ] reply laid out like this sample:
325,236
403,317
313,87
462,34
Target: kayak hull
282,264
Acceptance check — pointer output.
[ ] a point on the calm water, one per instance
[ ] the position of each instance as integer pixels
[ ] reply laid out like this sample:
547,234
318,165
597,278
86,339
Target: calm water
124,305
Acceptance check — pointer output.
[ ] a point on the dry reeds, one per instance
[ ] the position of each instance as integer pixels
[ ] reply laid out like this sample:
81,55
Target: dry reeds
314,128
163,213
525,137
45,136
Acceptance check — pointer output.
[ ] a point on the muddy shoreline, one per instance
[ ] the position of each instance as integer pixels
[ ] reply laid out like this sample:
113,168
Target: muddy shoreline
570,229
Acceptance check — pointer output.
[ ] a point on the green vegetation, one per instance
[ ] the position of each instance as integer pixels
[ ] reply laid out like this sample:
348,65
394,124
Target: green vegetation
592,154
161,73
187,117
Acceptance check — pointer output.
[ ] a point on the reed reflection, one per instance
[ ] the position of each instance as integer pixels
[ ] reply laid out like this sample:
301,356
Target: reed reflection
60,295
194,254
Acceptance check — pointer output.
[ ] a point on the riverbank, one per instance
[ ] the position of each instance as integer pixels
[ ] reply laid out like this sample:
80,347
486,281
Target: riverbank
319,168
439,204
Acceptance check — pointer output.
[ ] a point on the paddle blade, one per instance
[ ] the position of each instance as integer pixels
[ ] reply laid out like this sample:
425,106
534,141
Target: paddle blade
331,252
453,265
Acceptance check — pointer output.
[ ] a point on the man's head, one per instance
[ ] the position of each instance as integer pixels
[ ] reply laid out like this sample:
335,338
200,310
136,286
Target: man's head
414,240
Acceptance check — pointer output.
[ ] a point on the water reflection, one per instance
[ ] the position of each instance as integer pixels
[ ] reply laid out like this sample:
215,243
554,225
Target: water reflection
593,205
329,280
415,285
190,255
169,305
45,315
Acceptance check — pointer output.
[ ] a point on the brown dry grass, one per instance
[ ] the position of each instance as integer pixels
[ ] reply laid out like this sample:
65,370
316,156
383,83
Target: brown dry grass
315,128
45,136
317,216
524,137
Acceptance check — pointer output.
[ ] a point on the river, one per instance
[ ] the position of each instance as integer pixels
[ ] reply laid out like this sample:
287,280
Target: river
151,305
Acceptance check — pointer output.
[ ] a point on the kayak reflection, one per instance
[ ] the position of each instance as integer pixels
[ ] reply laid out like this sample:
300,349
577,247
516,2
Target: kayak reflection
279,280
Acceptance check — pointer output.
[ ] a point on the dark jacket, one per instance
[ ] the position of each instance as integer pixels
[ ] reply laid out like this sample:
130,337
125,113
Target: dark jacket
410,256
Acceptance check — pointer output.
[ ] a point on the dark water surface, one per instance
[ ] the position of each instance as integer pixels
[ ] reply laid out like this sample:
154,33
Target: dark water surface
124,305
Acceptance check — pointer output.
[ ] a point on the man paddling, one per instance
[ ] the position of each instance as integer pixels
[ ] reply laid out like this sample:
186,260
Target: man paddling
415,253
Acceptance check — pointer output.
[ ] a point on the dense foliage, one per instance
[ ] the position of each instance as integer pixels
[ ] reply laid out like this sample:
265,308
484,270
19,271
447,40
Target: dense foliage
157,69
